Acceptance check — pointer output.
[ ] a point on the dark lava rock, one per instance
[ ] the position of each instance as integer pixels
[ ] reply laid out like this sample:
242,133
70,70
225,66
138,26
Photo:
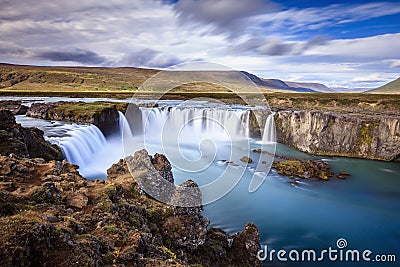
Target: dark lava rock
150,176
246,159
163,166
245,247
24,142
187,198
15,107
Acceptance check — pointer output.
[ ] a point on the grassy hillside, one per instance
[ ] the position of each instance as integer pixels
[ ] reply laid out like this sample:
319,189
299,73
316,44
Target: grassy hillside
70,79
390,88
123,82
19,78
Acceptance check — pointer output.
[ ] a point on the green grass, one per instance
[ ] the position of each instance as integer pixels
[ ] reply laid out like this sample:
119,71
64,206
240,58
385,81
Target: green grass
86,110
390,88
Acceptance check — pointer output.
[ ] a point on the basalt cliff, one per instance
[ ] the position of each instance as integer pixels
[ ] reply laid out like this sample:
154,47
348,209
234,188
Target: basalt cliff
335,133
102,114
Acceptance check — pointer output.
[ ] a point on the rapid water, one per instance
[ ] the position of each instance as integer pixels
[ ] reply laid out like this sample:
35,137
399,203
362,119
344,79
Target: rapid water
364,208
269,135
81,144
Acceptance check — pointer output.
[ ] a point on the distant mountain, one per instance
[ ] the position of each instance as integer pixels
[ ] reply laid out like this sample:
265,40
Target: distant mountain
392,87
349,90
275,84
319,87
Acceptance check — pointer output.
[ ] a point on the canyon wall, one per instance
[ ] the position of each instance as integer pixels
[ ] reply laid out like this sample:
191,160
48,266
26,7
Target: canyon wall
340,134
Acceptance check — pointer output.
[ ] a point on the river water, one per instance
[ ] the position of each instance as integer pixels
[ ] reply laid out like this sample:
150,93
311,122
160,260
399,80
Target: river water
363,209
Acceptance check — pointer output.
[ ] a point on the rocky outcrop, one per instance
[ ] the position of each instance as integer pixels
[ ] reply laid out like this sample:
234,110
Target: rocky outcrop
162,165
340,134
102,114
24,142
305,169
15,107
220,249
51,216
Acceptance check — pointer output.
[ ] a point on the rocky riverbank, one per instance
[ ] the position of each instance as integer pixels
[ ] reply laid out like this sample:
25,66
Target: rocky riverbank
16,107
51,216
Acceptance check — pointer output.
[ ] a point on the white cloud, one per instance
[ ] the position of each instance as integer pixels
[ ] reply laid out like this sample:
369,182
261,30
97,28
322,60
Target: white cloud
151,33
375,47
395,64
372,78
116,30
226,15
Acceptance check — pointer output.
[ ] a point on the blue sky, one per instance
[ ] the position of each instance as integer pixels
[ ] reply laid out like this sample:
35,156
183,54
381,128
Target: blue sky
338,43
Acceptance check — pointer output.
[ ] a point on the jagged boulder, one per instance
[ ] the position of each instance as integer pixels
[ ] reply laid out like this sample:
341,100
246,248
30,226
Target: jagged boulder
221,249
245,247
187,198
149,178
163,166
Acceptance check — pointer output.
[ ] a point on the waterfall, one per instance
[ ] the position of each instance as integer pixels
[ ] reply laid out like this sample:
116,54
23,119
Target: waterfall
196,123
81,144
269,135
124,127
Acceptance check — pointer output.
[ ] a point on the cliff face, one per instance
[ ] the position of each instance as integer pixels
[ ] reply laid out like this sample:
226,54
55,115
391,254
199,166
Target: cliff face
102,114
15,107
338,134
24,142
51,216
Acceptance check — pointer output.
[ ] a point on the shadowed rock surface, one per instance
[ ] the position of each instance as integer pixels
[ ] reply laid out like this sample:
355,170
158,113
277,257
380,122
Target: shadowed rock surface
15,107
24,142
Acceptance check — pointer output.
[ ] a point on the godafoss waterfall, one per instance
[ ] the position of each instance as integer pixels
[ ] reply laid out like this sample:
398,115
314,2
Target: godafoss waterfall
363,209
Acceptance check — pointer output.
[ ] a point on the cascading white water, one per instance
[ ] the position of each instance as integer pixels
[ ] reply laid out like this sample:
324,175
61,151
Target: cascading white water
124,127
81,144
86,146
269,135
195,123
